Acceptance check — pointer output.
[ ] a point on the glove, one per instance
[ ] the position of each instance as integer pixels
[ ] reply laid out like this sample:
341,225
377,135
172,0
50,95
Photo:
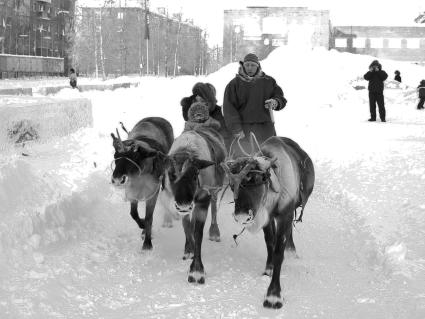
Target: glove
239,135
271,104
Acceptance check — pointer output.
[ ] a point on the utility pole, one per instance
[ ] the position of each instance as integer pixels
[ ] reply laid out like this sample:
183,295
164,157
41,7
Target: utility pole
167,23
147,35
177,43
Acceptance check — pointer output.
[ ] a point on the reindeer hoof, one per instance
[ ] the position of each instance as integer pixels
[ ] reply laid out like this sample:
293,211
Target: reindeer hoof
167,222
196,277
187,256
147,245
273,302
268,272
215,238
214,233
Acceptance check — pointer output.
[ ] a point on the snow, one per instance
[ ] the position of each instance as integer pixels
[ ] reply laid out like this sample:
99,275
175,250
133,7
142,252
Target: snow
36,118
69,249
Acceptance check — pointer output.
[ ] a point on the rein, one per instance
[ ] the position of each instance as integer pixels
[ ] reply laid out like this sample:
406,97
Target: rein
263,202
130,160
140,173
155,191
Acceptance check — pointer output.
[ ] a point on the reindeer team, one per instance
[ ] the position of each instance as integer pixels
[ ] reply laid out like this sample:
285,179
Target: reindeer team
269,182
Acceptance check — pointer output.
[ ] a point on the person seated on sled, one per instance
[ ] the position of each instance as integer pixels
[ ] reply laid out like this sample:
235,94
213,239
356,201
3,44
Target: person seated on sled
198,116
206,93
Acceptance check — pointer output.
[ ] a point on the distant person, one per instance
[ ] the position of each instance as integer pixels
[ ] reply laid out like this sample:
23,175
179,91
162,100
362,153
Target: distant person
376,77
72,78
421,95
206,93
397,76
249,100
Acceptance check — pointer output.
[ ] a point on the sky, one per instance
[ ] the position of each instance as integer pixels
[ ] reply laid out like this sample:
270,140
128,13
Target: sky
209,14
69,248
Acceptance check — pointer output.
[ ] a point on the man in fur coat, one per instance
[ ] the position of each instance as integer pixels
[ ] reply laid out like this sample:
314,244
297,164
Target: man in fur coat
249,100
376,77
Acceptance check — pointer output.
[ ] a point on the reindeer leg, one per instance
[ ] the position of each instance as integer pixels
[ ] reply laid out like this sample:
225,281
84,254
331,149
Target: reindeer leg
196,271
167,220
273,297
135,215
214,232
150,207
189,243
270,239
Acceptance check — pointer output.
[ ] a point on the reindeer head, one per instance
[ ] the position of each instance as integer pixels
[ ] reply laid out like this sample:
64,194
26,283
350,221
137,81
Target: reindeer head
182,176
249,179
136,166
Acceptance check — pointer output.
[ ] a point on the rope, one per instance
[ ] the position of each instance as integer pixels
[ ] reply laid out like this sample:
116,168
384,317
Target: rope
235,236
130,160
140,173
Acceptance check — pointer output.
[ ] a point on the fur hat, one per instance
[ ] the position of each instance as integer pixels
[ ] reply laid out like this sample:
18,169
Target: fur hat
205,91
198,112
251,57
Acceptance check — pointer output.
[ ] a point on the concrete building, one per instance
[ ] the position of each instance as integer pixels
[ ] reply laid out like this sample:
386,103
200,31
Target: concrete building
261,29
113,42
396,43
35,27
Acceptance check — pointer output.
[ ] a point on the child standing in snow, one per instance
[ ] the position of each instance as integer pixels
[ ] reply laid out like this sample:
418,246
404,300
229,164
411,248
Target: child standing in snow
421,95
72,78
397,76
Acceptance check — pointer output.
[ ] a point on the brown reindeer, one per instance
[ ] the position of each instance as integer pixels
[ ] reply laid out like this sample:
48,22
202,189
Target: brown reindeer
194,177
268,185
139,167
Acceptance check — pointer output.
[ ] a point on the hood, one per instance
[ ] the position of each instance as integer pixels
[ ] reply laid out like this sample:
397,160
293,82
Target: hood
245,77
376,63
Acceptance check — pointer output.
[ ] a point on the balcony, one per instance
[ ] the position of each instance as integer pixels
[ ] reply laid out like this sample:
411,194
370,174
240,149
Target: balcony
43,15
45,1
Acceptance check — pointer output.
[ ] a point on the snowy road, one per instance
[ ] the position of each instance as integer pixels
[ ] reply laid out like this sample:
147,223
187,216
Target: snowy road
104,274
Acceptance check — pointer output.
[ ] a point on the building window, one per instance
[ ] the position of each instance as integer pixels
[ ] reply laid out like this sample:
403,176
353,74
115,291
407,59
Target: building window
413,43
359,43
120,15
340,42
376,43
403,43
34,7
394,43
48,10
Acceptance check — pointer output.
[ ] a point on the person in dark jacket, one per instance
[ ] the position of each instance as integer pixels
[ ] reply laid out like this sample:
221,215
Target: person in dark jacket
249,101
376,77
397,76
421,95
72,78
205,92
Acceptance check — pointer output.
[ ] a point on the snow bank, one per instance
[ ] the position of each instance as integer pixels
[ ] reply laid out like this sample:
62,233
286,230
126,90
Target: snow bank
35,118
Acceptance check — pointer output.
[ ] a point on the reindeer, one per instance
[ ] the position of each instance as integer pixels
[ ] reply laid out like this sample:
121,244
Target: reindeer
139,167
193,178
268,185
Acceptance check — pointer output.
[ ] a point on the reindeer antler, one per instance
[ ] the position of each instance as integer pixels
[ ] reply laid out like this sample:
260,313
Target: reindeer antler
117,142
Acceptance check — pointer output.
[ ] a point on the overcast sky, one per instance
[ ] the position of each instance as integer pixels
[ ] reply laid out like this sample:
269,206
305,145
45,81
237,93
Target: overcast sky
209,13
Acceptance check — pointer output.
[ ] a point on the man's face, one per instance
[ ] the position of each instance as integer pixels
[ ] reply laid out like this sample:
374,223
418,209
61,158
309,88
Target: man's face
250,68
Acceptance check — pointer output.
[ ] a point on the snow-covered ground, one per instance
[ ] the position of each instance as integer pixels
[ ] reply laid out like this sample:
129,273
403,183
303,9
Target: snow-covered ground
69,249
